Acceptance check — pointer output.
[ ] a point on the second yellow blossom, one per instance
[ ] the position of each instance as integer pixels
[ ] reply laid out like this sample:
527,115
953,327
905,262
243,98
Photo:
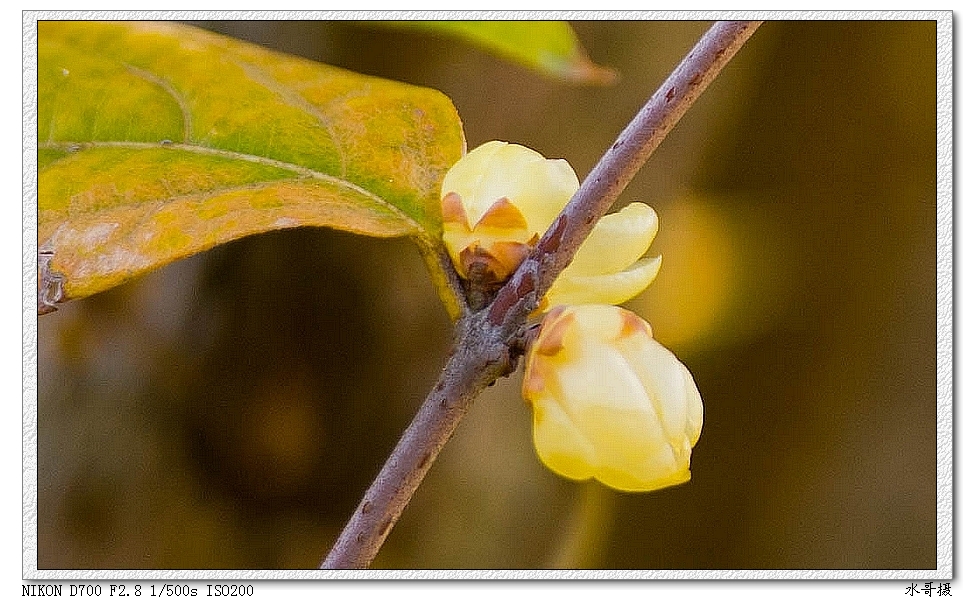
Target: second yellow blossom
609,401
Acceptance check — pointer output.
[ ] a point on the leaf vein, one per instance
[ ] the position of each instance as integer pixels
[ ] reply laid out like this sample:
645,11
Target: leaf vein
296,100
262,160
169,89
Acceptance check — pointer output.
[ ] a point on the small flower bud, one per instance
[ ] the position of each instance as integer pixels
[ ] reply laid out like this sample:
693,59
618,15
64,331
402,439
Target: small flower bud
496,201
609,401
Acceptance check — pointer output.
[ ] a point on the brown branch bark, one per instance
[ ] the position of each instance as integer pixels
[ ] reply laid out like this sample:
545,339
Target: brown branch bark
489,341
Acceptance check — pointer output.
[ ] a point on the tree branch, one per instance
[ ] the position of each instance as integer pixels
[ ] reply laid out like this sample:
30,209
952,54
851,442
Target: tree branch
489,342
479,356
617,167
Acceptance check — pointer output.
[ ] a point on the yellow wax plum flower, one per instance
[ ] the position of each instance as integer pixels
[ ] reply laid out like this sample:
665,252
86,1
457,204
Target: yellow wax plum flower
500,198
609,401
497,200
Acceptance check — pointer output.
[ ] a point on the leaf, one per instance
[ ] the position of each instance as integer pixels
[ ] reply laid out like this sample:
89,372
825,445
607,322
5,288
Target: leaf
157,141
550,47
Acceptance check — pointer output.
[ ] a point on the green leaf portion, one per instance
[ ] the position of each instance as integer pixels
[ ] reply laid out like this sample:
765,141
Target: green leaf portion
157,141
550,47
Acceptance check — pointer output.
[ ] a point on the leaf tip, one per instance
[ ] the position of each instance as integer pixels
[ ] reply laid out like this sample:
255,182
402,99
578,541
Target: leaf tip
580,69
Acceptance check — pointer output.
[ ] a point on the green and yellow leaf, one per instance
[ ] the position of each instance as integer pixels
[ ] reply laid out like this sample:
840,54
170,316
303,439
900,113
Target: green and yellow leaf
157,141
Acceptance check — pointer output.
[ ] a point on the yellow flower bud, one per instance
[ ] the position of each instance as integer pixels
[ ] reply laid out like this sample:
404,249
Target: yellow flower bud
497,200
609,401
500,198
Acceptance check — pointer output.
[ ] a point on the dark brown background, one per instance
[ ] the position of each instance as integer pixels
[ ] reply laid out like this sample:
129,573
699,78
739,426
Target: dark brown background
229,410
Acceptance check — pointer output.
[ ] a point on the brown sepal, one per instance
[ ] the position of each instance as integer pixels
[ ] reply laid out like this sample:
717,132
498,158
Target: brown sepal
503,214
452,209
633,324
551,336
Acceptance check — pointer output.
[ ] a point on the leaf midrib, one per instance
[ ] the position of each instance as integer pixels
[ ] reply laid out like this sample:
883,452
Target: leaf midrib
73,147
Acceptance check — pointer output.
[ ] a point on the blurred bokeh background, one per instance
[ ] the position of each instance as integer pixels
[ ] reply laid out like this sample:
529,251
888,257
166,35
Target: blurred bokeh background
228,411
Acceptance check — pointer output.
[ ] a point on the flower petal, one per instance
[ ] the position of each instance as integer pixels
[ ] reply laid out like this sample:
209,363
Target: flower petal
670,386
617,241
559,444
544,190
613,288
502,177
464,177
